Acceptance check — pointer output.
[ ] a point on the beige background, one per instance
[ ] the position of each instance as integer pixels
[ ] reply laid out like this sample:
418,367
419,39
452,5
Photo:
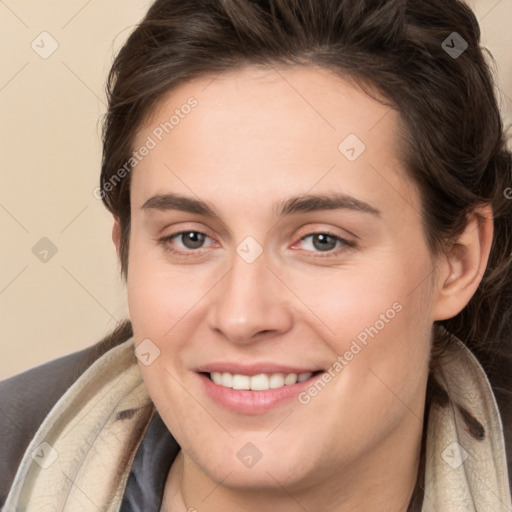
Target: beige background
50,148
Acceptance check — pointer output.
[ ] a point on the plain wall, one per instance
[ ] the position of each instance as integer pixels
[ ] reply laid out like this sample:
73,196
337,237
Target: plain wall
51,110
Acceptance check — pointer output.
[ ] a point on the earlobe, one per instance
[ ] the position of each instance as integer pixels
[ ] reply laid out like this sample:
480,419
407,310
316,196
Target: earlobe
463,266
116,233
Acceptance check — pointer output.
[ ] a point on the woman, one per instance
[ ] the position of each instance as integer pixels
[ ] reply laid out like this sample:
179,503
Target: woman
311,215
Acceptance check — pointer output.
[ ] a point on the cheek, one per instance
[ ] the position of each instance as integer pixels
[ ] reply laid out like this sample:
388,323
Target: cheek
161,296
383,293
381,342
377,318
160,302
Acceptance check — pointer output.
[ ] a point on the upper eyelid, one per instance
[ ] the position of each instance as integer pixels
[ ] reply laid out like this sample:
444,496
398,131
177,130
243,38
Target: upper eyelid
161,236
338,238
182,232
306,231
300,238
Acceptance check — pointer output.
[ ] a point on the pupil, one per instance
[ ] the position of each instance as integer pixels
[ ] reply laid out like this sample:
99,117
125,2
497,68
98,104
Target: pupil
193,240
331,242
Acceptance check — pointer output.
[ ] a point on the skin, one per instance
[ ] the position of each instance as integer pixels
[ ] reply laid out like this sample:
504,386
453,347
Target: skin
257,137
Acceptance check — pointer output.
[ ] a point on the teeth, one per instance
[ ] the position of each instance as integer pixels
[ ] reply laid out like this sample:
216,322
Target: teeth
290,379
226,380
276,380
260,382
241,382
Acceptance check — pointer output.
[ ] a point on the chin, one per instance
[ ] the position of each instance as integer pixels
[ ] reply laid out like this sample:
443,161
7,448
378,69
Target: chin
252,467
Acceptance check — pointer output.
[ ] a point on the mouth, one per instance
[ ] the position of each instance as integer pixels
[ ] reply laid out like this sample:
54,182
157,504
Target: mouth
255,394
259,382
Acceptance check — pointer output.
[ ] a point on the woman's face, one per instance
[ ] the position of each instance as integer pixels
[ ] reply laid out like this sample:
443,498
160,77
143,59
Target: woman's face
274,231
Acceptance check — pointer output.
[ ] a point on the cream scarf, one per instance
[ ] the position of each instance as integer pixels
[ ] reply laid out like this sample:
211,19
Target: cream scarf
80,458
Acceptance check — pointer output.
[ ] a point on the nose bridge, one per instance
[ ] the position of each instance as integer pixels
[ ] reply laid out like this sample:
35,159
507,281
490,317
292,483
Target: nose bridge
249,299
246,281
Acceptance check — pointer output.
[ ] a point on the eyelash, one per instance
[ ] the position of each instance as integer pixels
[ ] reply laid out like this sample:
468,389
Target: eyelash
345,244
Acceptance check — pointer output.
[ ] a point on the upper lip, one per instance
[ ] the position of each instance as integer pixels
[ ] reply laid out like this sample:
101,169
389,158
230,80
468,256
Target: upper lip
254,368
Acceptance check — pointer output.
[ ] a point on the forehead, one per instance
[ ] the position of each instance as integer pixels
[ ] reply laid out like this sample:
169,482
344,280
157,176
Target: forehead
311,98
265,128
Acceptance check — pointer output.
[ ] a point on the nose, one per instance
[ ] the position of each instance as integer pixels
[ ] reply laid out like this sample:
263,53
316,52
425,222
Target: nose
250,303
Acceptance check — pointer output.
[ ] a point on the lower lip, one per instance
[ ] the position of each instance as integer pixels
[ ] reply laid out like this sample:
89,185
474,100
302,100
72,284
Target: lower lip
253,402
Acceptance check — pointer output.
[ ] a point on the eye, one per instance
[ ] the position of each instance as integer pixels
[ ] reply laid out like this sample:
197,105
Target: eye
190,241
325,242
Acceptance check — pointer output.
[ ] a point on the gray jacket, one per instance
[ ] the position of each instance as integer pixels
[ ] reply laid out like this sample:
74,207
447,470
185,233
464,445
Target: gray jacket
26,399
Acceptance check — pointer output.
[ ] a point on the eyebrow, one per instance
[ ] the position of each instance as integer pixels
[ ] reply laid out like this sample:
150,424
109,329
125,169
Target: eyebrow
293,205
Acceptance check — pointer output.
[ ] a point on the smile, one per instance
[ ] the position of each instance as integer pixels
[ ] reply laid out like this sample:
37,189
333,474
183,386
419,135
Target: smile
257,393
259,382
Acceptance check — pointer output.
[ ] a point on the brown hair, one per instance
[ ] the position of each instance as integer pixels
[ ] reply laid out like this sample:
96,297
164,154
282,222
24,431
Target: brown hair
454,144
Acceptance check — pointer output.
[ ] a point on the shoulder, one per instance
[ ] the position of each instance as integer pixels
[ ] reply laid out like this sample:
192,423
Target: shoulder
26,399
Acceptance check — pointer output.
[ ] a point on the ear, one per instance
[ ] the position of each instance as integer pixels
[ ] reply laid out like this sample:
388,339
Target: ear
116,234
461,269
